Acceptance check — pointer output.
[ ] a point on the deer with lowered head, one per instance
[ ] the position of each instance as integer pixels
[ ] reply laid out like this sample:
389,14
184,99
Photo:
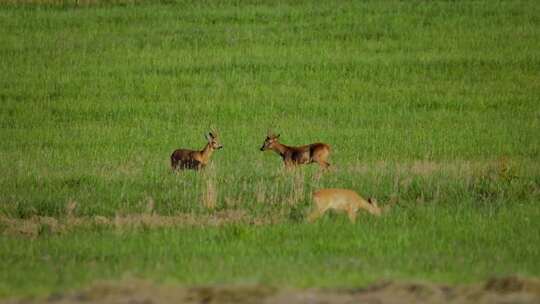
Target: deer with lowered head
341,200
294,156
193,159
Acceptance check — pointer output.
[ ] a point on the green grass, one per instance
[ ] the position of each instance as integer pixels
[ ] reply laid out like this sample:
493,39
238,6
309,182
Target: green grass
454,245
433,104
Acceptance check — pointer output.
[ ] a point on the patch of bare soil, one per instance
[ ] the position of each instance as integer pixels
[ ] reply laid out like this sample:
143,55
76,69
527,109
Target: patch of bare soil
498,290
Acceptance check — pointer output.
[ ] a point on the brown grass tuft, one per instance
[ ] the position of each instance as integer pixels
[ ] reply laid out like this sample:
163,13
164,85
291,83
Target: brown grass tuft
209,198
39,225
71,206
297,193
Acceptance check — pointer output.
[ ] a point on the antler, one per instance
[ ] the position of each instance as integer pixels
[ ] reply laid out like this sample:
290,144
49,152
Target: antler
270,133
213,131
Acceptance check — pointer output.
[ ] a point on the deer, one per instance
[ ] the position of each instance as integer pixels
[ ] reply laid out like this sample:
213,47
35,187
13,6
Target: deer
294,156
193,159
341,200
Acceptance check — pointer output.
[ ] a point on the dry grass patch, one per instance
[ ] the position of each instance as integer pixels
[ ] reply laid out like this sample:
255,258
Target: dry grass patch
512,289
40,225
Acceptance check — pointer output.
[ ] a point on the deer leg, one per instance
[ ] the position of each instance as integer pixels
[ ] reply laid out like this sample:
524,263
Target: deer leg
325,165
322,163
352,214
315,214
318,212
289,165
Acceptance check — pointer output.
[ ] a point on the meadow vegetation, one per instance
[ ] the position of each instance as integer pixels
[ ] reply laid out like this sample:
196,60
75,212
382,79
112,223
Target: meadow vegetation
431,107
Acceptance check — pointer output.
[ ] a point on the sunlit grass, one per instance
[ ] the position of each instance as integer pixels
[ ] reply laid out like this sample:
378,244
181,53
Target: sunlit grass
431,107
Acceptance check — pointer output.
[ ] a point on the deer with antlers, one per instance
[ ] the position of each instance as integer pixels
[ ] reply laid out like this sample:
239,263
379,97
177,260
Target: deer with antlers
294,156
193,159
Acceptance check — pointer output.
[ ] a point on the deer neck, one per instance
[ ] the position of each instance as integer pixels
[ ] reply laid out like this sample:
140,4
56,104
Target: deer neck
280,149
206,153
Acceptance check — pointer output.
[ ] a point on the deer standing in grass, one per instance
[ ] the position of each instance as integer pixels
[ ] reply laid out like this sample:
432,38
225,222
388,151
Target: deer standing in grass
341,200
293,156
196,160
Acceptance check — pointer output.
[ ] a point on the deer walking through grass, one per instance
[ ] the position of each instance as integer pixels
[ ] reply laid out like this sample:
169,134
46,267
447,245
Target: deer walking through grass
294,156
341,200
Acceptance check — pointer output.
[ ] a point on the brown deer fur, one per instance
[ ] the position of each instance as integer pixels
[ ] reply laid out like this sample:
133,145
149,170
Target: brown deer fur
196,160
293,156
341,200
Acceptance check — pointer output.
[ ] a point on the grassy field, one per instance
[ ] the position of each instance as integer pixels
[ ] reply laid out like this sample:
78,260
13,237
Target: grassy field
431,107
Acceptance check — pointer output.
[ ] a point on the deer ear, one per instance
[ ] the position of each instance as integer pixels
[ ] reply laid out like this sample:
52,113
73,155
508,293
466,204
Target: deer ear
208,136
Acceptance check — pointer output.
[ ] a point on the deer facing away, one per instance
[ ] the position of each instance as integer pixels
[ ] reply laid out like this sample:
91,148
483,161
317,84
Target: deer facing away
196,160
293,156
341,200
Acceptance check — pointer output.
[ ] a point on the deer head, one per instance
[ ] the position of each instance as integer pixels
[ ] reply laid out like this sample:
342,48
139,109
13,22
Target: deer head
213,140
270,141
